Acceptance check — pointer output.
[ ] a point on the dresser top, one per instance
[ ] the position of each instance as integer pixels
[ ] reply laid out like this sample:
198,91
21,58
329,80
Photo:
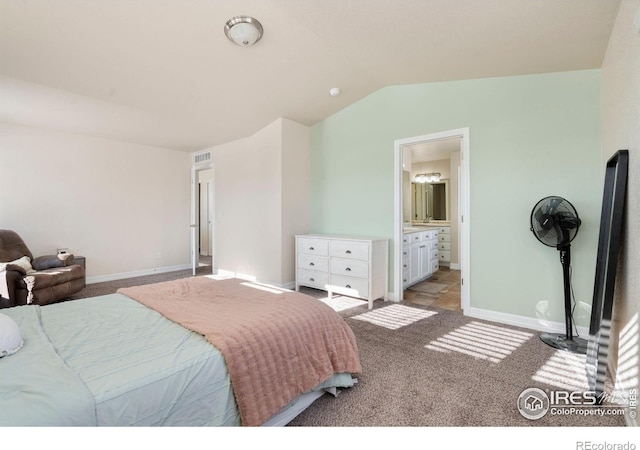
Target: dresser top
343,237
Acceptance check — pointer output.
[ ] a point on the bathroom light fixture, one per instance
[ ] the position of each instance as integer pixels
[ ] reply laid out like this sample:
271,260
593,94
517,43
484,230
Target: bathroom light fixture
431,177
243,30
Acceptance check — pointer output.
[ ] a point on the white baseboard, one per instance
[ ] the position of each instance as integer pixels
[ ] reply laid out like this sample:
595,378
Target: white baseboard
522,321
454,266
136,273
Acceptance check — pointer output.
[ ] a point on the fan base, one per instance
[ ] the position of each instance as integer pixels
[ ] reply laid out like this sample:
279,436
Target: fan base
562,342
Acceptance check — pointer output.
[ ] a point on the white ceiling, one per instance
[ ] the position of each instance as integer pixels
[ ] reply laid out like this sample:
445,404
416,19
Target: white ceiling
162,73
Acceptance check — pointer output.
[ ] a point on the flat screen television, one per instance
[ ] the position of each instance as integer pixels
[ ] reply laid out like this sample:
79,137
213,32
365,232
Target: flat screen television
611,222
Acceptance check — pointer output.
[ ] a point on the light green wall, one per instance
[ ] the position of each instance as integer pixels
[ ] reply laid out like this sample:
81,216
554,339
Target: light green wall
530,137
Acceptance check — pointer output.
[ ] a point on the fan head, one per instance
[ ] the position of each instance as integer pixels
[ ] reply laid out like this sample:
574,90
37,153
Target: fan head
554,221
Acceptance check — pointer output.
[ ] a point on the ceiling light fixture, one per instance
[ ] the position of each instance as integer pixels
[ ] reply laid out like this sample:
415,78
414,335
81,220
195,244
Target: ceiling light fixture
432,177
334,92
243,30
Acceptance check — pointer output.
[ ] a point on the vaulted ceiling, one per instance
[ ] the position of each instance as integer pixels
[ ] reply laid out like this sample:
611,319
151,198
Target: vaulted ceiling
162,72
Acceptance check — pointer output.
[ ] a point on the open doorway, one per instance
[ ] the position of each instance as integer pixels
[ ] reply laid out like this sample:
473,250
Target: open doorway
205,217
442,159
202,223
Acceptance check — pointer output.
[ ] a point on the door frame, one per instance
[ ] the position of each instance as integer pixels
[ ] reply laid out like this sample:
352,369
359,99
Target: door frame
464,223
194,224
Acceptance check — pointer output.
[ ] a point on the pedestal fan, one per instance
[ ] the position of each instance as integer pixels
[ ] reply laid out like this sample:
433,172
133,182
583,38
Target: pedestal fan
555,223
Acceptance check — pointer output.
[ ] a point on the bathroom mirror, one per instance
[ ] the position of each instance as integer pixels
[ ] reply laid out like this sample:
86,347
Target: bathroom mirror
430,201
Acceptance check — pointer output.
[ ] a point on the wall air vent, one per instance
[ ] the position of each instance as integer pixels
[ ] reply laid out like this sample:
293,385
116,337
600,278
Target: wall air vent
201,157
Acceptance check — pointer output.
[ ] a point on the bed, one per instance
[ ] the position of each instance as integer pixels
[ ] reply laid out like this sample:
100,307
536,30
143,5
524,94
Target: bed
192,352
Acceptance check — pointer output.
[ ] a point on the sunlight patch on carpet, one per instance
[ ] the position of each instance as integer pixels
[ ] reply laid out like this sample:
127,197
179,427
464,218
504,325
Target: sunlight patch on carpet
340,303
481,341
394,316
564,370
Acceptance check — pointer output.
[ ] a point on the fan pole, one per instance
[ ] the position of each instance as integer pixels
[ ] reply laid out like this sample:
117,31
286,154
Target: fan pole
566,341
565,260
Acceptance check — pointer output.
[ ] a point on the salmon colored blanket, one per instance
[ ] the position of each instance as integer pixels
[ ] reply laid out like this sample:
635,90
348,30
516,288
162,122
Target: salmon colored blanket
277,344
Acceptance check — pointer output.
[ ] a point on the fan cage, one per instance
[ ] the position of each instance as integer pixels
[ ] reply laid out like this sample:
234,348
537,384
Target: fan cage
554,209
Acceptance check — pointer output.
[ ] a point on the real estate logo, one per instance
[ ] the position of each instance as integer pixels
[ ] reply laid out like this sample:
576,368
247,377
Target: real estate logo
533,403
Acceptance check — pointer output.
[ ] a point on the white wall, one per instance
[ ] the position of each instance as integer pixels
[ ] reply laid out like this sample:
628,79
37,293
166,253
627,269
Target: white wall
261,201
295,168
247,202
125,207
621,130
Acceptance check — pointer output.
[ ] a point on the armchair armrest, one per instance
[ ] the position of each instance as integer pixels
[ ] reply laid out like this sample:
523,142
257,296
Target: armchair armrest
8,280
52,261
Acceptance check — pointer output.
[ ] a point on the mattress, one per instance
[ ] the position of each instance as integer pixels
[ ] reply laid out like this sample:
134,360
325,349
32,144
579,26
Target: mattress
138,368
111,361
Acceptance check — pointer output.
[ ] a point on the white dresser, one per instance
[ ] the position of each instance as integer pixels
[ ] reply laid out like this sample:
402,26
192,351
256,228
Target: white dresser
354,266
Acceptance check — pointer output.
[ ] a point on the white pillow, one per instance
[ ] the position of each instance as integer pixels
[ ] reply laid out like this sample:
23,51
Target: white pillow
24,262
10,337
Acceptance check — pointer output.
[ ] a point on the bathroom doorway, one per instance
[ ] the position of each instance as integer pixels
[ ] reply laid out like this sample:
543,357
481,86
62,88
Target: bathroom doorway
444,156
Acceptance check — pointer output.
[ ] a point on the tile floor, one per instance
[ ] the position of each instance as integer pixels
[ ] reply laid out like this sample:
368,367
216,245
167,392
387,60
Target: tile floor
447,298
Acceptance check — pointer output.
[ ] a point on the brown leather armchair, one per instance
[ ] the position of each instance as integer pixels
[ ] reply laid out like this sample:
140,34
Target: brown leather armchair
40,281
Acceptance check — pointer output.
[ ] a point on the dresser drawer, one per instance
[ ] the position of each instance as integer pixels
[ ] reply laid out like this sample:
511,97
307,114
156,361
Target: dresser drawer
415,237
405,260
313,262
444,230
350,249
444,246
350,267
427,235
351,286
313,246
406,239
444,238
444,256
313,278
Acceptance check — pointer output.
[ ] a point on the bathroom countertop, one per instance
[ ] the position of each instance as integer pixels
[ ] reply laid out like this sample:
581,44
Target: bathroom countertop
433,223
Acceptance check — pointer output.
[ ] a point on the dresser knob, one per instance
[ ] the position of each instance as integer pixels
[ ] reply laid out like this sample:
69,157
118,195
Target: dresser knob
348,269
311,279
348,252
348,286
311,264
311,248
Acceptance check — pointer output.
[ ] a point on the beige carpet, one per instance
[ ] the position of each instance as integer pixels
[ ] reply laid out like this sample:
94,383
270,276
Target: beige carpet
425,366
442,369
428,286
